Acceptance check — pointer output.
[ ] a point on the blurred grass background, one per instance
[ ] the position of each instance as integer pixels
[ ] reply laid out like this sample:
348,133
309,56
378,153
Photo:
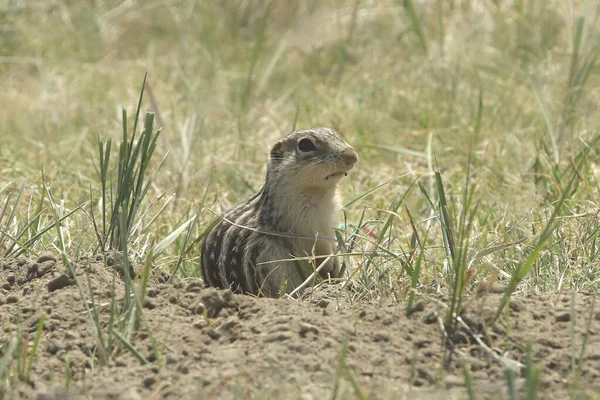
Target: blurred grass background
505,92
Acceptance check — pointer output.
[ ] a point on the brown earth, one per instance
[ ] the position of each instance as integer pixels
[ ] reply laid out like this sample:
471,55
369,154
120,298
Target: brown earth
203,343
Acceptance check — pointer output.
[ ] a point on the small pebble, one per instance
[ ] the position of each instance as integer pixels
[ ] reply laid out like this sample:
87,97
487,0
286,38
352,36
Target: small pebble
563,317
228,324
194,287
279,328
200,324
183,369
46,256
52,347
323,303
227,295
277,337
197,308
306,328
212,333
171,359
213,300
32,271
111,259
149,381
452,381
149,304
554,344
421,343
516,305
498,329
59,282
11,279
381,337
425,374
300,348
44,267
70,335
33,323
537,316
430,318
377,361
12,298
22,260
418,307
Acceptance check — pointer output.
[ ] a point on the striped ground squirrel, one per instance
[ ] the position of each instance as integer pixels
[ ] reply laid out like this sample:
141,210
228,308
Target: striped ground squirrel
292,216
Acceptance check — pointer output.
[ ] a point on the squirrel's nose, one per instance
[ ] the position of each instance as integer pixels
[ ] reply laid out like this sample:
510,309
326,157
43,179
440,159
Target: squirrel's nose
349,156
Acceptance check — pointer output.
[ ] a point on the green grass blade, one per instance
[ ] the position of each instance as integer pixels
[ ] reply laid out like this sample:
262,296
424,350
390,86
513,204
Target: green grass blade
415,22
547,118
7,357
170,238
368,192
469,384
509,376
36,342
137,112
543,239
256,52
136,353
414,282
397,150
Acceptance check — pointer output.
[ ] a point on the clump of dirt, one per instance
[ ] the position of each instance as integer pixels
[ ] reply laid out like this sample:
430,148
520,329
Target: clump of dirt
195,342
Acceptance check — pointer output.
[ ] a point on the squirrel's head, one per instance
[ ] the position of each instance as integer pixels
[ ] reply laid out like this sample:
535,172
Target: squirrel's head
316,157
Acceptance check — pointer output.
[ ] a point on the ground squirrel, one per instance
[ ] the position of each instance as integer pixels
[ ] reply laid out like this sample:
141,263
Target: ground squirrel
292,216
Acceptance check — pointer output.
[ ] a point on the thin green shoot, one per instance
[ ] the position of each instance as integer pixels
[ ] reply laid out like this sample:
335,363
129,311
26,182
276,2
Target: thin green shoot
415,21
469,383
36,342
130,347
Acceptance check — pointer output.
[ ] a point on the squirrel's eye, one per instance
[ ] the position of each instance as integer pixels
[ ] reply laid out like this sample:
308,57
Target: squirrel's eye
306,145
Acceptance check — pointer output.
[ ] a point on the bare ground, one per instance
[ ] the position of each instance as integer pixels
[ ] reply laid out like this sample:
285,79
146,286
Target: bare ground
203,343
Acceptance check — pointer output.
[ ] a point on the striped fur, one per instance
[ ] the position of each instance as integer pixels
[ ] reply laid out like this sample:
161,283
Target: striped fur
292,216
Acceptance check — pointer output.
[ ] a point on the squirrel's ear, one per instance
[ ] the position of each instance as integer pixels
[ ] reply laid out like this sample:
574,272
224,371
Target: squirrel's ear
277,152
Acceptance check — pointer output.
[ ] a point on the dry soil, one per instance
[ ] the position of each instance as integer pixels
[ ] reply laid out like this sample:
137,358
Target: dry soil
203,343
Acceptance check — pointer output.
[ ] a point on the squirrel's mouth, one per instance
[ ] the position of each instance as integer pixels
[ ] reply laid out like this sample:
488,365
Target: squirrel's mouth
336,175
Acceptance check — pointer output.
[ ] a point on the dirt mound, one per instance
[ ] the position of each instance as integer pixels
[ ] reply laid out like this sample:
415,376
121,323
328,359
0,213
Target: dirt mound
194,342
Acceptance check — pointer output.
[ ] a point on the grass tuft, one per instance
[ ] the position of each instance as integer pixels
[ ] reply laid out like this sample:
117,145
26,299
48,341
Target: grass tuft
120,207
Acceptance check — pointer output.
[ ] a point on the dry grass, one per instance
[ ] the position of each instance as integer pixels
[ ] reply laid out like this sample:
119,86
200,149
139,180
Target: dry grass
499,94
490,82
